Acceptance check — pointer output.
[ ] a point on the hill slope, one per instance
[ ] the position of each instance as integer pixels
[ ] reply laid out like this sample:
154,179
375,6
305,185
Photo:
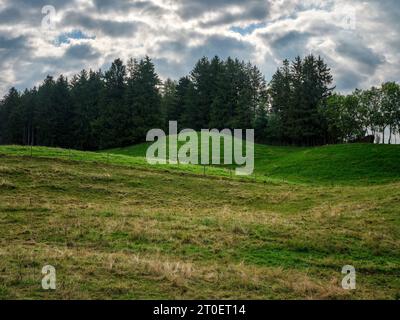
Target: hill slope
337,164
126,231
343,164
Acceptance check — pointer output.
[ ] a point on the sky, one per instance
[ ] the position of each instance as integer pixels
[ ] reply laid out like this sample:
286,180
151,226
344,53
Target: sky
358,39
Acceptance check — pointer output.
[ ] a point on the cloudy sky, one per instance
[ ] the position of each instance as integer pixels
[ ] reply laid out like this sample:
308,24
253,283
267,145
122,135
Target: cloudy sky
358,39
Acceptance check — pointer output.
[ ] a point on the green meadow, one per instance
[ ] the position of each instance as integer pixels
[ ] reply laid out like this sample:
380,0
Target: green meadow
115,227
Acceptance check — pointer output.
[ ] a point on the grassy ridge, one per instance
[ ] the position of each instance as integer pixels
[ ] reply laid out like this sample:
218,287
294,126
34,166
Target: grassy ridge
108,157
346,164
336,164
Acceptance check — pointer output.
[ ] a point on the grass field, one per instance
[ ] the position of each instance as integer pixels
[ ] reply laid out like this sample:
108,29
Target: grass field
117,228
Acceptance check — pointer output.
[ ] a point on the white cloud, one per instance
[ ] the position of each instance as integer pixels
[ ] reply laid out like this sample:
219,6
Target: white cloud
359,39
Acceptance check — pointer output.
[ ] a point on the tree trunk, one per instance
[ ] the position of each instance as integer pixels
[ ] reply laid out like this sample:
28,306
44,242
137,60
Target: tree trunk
390,134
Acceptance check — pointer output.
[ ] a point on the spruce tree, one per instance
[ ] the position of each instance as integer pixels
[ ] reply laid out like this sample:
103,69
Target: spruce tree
114,121
147,113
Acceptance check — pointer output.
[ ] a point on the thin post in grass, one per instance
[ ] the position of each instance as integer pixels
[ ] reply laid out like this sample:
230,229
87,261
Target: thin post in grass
30,189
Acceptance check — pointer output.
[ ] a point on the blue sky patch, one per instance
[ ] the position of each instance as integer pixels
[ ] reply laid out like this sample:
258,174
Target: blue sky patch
74,34
248,29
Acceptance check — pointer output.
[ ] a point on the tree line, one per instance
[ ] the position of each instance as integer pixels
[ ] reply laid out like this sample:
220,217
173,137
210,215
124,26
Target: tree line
98,110
374,111
304,110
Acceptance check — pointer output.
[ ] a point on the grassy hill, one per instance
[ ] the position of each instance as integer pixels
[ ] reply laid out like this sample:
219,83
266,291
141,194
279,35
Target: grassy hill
115,227
335,164
348,164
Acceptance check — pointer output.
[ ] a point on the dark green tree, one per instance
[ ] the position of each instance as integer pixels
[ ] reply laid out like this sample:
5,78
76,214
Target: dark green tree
171,110
186,99
147,112
112,125
297,94
10,122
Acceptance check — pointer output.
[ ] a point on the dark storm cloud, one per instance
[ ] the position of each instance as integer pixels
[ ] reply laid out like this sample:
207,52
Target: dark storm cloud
190,9
176,46
81,52
119,5
348,80
390,8
28,12
252,11
172,69
107,27
13,48
223,47
215,45
38,4
126,6
10,15
288,45
359,53
12,43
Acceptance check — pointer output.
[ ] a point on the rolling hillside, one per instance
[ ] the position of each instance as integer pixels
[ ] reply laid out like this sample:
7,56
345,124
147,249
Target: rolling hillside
344,164
115,227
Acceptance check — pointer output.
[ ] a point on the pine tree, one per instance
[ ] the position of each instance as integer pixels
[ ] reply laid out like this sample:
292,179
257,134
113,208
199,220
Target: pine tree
113,124
204,81
297,94
10,122
28,105
186,97
280,93
46,114
147,111
222,102
258,93
63,113
86,91
171,110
